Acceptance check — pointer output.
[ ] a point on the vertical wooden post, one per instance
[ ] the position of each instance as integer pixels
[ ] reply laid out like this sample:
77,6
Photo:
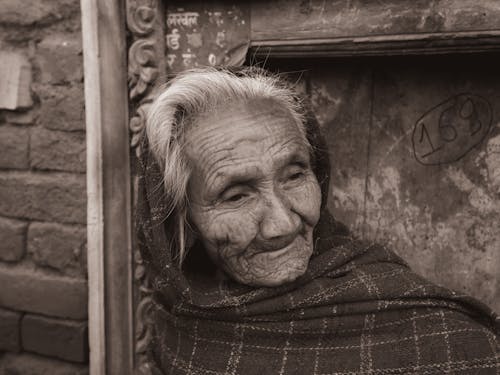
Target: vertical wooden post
108,188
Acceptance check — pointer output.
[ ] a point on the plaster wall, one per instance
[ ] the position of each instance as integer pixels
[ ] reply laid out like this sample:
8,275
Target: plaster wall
442,217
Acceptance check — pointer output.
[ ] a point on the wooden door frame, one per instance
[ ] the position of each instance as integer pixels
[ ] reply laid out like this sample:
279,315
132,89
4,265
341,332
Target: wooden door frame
119,78
109,238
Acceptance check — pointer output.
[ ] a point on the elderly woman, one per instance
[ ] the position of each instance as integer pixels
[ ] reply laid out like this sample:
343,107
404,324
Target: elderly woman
252,275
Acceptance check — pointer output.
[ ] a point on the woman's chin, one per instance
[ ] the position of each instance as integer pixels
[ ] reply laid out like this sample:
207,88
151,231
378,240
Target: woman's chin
285,276
272,268
281,280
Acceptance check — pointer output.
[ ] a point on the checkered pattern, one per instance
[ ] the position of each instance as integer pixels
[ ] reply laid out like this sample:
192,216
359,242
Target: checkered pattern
376,318
358,310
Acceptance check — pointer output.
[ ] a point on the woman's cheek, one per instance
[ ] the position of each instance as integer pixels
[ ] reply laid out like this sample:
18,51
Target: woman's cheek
231,231
306,201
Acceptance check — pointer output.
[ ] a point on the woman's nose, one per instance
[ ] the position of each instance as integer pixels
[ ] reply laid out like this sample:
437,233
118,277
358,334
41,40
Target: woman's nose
279,221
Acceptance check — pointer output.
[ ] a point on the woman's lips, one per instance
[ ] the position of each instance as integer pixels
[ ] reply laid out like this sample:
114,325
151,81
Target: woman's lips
261,245
274,252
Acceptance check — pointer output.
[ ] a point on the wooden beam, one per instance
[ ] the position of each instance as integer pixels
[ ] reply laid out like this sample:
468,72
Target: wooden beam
328,28
108,188
311,19
380,45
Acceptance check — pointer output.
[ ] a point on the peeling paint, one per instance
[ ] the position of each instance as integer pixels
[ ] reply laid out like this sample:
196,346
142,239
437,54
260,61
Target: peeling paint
323,98
492,160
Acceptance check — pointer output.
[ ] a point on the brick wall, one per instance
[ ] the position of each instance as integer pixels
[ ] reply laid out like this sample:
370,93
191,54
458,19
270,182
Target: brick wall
43,288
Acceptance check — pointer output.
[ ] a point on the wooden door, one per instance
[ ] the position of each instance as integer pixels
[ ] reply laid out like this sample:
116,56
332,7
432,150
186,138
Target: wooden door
406,93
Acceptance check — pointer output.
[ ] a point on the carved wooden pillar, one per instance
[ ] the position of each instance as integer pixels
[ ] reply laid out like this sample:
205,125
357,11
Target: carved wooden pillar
146,62
145,68
126,41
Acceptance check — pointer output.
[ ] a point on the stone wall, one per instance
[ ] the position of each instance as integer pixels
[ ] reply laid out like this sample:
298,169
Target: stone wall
43,293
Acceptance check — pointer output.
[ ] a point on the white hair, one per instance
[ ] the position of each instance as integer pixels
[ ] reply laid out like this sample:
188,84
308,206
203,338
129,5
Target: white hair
190,95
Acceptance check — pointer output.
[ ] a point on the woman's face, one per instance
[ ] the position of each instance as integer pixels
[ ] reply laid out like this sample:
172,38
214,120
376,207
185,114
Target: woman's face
253,197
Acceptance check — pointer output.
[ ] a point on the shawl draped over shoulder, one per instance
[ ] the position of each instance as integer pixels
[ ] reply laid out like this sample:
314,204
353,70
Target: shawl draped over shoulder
358,309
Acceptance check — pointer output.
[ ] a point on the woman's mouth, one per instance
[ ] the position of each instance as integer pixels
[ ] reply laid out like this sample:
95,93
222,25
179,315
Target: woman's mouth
276,251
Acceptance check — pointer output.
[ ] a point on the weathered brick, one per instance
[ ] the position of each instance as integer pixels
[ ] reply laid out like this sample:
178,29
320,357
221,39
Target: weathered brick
62,247
10,323
28,12
59,58
31,364
56,197
15,81
57,150
62,107
64,339
35,291
14,143
12,240
20,118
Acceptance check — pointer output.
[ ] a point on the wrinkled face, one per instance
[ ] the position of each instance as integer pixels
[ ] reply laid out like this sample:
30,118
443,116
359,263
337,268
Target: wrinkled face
254,199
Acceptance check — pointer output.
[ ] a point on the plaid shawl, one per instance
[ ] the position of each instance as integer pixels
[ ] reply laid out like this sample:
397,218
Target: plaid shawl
358,309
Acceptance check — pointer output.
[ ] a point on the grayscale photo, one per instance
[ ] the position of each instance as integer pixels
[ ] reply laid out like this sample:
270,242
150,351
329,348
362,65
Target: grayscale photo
224,187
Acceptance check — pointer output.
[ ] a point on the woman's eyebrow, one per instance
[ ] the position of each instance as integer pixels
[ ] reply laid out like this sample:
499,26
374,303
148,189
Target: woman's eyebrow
298,157
234,175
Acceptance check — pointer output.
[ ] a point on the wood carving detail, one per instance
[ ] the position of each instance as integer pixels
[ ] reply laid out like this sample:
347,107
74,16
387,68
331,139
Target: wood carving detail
136,125
143,319
142,70
144,57
141,16
144,62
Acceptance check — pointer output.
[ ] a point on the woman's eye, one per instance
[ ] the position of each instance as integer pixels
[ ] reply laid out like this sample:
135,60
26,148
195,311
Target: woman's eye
235,194
296,176
235,198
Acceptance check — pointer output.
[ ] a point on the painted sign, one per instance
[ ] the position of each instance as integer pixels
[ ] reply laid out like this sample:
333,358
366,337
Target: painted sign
447,132
206,35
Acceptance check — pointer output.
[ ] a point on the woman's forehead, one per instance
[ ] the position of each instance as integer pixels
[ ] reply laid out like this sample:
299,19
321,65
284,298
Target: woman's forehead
240,122
244,136
242,110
